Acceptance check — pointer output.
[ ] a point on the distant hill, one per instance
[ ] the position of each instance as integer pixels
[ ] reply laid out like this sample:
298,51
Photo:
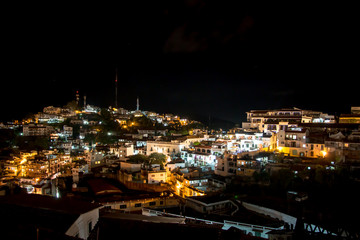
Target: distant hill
213,122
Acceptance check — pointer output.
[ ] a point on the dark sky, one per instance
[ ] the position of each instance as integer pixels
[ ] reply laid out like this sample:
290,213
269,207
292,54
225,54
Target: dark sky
217,58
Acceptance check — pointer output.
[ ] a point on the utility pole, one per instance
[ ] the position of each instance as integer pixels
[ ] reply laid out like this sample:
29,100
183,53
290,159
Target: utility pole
137,104
116,90
77,96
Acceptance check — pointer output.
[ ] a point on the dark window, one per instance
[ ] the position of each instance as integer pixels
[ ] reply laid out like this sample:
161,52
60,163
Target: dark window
161,202
152,203
137,204
90,226
123,206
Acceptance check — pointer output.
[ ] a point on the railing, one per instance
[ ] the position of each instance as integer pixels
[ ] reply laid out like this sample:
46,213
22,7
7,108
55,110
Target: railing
252,226
158,213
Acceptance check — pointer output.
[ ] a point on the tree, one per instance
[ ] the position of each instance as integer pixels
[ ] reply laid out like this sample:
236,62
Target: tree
263,176
90,138
29,143
157,158
139,158
72,105
105,115
282,179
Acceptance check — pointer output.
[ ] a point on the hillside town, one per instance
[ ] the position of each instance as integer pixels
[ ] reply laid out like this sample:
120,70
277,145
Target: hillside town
251,179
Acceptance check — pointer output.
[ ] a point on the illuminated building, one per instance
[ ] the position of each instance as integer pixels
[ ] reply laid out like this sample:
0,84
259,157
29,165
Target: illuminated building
201,156
155,177
298,142
122,150
37,130
165,147
52,110
234,164
344,147
355,110
257,119
147,132
48,118
67,131
181,186
349,118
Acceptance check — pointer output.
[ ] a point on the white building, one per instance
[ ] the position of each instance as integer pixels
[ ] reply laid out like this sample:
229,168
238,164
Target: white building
122,150
256,119
252,141
165,147
67,131
155,177
202,156
297,142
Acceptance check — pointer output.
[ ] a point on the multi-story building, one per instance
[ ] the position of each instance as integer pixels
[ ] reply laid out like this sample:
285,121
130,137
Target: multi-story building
292,141
122,150
354,117
256,119
201,156
234,164
182,187
298,142
355,110
156,176
165,147
344,147
48,118
37,130
52,110
67,131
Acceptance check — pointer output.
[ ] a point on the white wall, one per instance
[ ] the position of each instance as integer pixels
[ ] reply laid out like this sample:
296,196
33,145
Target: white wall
156,177
130,167
271,212
80,227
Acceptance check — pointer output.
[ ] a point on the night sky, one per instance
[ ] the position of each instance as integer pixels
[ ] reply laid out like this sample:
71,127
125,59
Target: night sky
184,57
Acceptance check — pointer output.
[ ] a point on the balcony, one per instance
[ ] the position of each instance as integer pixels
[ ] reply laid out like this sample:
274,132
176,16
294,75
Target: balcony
293,145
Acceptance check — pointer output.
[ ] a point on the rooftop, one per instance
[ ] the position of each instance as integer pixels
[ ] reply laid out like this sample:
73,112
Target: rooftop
100,186
25,213
64,205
